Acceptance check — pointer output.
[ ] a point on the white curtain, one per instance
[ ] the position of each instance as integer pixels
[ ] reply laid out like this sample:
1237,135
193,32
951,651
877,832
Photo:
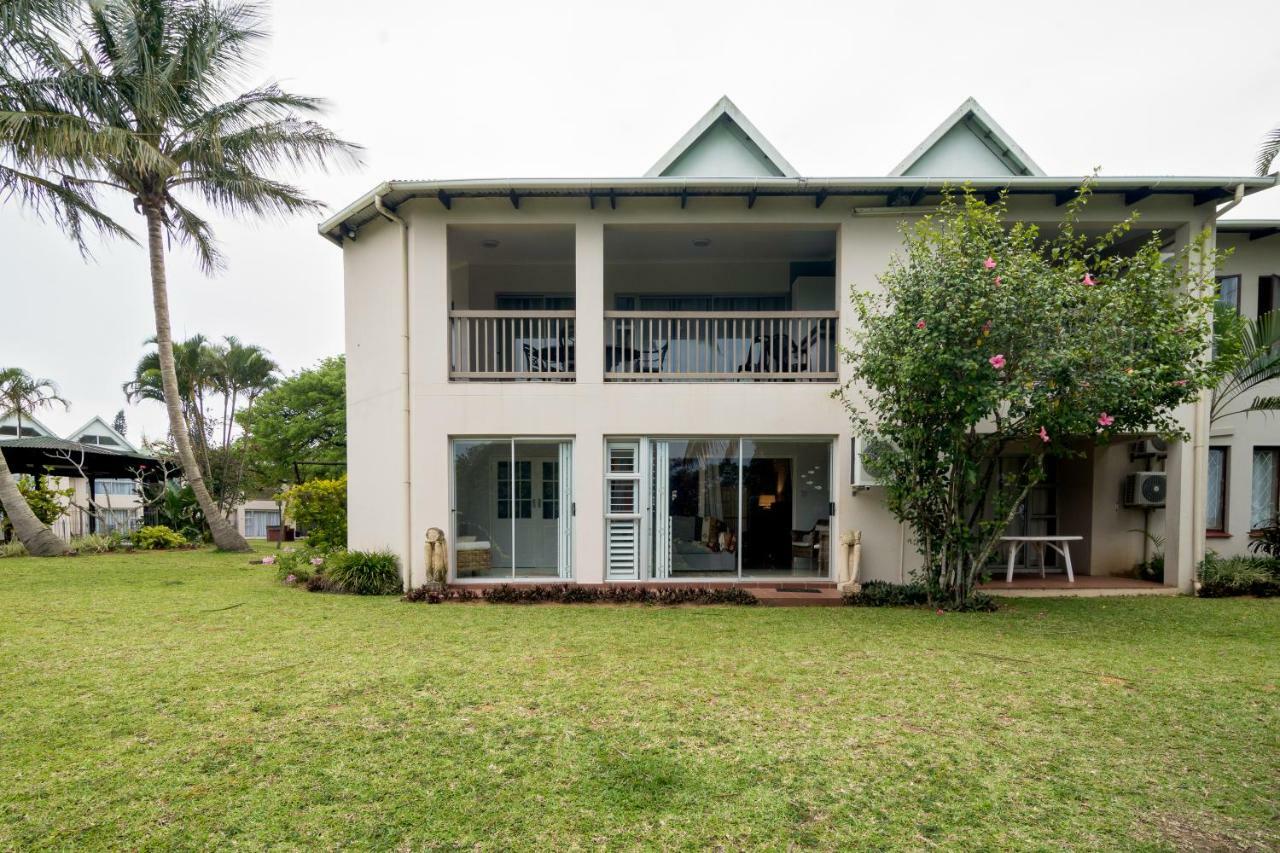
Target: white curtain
662,509
1213,500
564,524
1263,508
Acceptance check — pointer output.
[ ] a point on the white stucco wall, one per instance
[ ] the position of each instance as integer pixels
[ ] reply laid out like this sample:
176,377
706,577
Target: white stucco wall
1249,259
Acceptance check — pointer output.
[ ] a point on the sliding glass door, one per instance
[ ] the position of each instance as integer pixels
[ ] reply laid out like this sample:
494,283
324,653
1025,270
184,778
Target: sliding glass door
513,508
722,508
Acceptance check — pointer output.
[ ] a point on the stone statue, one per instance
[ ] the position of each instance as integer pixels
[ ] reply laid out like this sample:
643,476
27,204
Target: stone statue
849,570
437,557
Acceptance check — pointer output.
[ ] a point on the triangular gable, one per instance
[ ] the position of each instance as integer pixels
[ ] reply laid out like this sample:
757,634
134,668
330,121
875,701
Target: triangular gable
969,144
9,419
102,428
723,144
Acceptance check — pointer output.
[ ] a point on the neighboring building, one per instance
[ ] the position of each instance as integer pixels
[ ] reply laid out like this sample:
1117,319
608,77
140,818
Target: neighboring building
1244,451
613,380
118,505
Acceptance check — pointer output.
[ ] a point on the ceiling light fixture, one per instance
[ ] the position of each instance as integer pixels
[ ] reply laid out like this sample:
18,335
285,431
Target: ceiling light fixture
489,243
701,242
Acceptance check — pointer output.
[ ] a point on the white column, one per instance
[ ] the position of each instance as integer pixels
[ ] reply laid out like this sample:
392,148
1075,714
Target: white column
428,450
1187,466
588,448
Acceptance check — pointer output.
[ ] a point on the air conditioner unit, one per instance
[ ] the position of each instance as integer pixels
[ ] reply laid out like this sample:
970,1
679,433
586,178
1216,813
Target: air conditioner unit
1148,447
1146,489
865,472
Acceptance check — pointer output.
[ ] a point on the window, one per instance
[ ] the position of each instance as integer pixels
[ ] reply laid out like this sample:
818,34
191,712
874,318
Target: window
523,503
1266,487
1268,294
114,487
683,302
622,510
533,302
1229,291
101,440
1216,500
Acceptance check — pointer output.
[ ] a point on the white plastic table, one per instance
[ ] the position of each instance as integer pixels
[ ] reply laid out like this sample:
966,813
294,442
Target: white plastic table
1057,543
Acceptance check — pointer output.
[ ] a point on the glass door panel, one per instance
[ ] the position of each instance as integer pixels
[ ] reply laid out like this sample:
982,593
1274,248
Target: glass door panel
696,508
786,505
537,509
482,488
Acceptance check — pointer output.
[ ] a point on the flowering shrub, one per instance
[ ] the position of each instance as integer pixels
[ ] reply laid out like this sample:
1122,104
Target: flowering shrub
990,336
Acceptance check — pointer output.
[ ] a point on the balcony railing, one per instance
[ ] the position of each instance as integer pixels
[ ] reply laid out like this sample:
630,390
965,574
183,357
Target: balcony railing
647,346
514,346
750,346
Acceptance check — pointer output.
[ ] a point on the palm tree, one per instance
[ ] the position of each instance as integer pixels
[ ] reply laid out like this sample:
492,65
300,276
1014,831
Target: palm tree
1256,348
23,395
147,89
1267,153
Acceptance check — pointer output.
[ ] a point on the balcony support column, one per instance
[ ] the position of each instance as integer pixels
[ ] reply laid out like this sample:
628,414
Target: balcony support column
589,278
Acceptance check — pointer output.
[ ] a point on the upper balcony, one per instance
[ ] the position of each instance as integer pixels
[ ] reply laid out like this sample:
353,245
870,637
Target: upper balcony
681,304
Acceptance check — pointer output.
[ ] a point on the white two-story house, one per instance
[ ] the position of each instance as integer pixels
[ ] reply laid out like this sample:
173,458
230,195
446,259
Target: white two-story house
630,380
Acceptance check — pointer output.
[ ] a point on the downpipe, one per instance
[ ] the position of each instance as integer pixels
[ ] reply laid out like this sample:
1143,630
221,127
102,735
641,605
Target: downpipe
392,216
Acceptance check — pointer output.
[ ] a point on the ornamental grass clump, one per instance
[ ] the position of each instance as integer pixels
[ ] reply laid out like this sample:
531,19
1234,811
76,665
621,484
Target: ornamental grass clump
989,337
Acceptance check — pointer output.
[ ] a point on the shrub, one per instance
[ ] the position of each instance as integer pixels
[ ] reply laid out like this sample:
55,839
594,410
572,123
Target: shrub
157,537
363,572
302,563
319,506
1267,541
914,594
575,594
12,549
1221,577
433,594
98,543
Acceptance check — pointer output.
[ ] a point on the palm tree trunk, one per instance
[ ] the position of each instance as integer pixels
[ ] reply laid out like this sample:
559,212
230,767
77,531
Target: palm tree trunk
225,536
34,534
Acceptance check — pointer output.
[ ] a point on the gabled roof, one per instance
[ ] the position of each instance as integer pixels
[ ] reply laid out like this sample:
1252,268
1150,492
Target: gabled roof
124,442
722,144
968,144
7,418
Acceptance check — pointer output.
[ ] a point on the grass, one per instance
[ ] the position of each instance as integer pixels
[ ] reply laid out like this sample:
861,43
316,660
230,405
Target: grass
187,700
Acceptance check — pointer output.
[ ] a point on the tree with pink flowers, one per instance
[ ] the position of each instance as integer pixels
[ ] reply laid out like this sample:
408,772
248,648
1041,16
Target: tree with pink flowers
991,337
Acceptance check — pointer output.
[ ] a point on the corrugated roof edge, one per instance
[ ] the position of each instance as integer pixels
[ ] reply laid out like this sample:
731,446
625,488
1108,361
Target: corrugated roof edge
341,223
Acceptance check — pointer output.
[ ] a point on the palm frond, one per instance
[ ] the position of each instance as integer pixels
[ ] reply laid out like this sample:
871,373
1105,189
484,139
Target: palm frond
71,208
1267,151
194,231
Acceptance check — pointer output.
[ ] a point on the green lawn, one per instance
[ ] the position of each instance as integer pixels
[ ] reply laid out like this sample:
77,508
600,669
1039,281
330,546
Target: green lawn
187,700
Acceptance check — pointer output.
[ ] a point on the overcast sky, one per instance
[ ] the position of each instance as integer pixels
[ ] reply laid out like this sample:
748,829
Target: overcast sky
489,89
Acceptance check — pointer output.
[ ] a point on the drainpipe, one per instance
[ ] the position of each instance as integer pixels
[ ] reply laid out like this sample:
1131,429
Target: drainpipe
1200,438
405,376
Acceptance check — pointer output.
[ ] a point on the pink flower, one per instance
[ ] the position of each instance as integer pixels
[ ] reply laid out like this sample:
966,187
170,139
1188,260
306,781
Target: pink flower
317,561
999,281
941,611
1044,435
1105,420
291,579
920,325
1088,281
997,361
989,263
268,561
1179,382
